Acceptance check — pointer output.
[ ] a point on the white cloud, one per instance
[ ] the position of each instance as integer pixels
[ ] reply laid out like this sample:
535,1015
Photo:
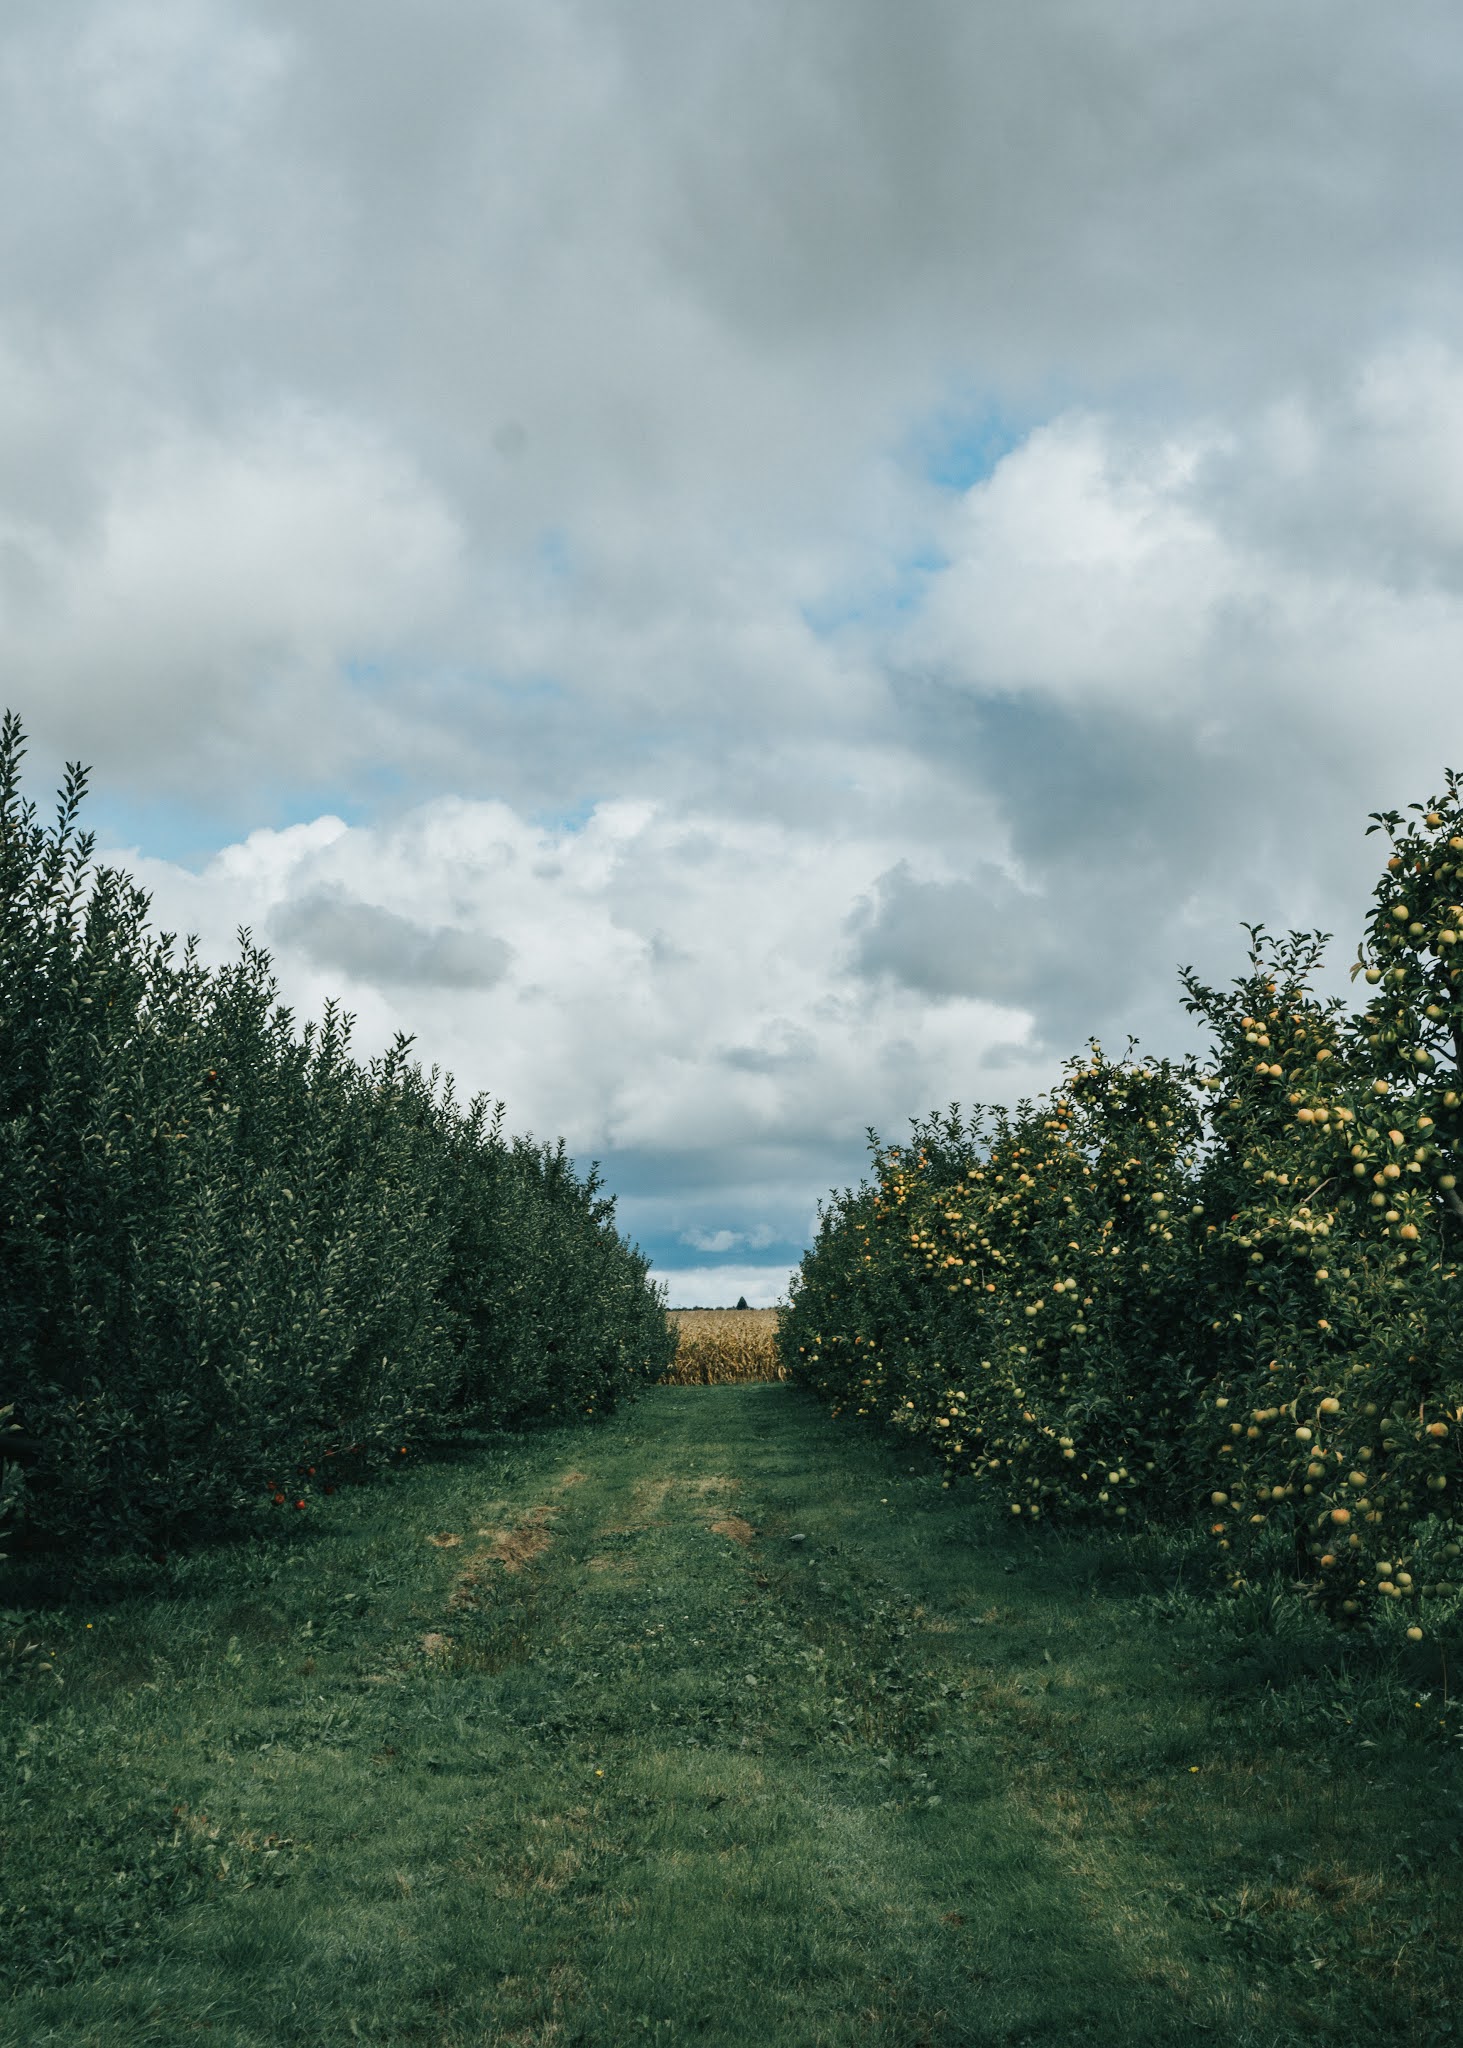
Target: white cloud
939,912
723,1286
1271,573
387,303
711,1240
221,590
1082,569
441,428
647,981
718,1241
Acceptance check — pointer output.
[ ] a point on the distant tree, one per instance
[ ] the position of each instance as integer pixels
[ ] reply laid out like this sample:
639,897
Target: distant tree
741,1301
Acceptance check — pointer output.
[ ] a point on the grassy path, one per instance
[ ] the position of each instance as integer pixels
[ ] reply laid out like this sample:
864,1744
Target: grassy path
568,1742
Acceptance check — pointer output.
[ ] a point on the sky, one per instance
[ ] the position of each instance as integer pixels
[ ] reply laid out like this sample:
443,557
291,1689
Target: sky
743,572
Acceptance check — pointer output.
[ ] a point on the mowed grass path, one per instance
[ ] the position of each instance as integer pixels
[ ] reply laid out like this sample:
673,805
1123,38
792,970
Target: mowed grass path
566,1741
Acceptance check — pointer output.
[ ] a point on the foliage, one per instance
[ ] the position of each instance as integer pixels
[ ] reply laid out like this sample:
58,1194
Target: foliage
234,1257
1166,1292
1015,1291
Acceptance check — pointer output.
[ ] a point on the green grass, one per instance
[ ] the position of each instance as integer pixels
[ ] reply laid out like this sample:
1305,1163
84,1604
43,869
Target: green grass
921,1779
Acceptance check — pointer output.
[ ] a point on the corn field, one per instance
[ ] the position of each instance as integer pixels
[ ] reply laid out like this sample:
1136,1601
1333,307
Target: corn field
719,1346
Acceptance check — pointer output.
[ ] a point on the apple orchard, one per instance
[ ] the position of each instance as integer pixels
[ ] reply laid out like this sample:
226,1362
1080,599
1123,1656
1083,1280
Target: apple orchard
1227,1291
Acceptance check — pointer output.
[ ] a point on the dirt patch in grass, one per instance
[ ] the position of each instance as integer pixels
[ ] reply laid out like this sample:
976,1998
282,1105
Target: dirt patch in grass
511,1548
514,1548
647,1498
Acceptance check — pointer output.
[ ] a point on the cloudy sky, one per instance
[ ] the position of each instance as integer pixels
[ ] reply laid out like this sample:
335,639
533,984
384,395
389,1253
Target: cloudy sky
743,571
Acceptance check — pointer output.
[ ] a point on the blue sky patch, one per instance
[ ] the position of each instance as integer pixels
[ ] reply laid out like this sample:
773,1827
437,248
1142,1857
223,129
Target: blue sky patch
958,448
897,596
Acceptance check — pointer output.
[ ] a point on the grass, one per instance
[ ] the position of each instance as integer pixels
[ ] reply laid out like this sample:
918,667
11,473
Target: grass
569,1740
725,1346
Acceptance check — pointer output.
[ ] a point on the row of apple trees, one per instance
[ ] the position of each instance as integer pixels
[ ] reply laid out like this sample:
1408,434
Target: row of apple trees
1171,1291
233,1259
